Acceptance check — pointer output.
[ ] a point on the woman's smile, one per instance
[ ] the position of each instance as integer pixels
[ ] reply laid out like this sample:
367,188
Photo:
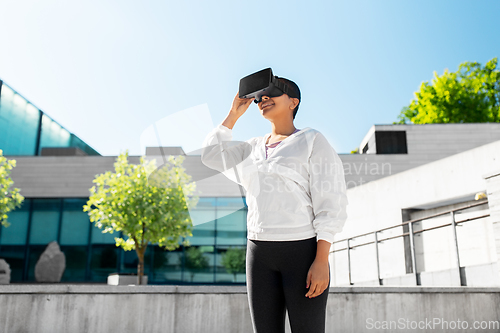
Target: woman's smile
267,104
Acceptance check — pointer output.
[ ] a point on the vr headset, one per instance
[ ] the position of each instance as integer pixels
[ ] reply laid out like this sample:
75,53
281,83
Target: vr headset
262,83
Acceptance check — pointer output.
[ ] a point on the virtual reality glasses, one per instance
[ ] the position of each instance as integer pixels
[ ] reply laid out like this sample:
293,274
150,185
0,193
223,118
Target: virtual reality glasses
262,83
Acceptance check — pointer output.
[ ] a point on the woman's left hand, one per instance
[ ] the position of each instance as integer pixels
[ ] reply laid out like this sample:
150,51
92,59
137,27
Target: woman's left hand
318,278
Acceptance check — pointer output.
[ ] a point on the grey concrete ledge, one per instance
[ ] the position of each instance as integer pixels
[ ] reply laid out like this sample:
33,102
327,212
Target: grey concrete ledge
108,289
412,290
206,289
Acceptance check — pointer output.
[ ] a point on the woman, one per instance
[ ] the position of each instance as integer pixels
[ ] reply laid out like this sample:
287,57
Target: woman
296,197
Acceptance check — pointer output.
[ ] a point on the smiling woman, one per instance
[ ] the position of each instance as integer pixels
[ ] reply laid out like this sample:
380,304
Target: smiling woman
291,221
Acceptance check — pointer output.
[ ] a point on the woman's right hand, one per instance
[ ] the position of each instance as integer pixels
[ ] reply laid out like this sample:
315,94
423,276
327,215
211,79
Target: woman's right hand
240,105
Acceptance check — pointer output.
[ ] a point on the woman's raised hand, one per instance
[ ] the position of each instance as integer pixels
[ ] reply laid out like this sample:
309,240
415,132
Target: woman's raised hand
240,105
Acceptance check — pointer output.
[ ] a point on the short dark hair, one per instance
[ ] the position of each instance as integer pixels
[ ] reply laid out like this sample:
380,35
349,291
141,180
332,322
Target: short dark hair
293,92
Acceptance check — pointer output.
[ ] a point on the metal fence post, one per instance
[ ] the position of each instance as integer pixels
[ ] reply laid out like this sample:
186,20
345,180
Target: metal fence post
378,262
413,255
454,229
349,259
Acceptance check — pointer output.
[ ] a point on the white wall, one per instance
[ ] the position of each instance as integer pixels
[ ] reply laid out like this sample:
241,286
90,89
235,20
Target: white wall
379,204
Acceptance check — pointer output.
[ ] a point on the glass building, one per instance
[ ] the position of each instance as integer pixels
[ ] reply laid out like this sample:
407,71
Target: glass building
25,130
90,254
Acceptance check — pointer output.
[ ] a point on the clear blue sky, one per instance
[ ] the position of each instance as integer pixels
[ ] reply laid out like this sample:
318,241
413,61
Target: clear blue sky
107,70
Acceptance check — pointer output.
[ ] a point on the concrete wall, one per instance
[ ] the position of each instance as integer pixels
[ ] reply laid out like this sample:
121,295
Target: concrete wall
379,204
424,140
71,176
485,275
218,309
426,143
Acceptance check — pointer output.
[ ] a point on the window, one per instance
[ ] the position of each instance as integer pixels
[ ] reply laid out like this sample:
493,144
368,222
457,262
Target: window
391,142
45,221
15,234
14,255
103,262
75,223
365,148
167,265
76,263
18,124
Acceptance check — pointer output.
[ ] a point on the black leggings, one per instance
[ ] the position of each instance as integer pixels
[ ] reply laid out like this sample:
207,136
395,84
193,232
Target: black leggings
276,281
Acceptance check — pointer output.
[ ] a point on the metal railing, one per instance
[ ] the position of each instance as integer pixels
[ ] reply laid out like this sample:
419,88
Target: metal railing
411,234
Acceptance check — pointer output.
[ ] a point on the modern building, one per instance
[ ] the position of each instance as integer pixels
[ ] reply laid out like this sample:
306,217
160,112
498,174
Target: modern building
390,149
421,173
402,172
25,129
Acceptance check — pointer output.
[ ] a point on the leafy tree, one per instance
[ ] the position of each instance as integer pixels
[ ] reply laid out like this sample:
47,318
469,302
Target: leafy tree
234,261
10,198
195,260
470,95
145,210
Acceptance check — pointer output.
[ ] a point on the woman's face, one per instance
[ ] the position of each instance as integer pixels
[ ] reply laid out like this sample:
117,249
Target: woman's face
277,107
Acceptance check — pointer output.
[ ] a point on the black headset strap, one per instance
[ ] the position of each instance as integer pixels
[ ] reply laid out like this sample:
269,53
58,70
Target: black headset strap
281,85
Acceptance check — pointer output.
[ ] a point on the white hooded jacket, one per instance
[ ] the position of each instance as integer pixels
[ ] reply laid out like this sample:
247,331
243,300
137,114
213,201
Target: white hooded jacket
298,192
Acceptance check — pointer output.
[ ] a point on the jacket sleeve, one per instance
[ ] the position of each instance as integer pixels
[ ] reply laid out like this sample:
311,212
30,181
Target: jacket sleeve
328,189
221,153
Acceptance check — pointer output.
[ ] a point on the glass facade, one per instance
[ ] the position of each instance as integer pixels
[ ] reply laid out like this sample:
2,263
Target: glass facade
92,255
25,130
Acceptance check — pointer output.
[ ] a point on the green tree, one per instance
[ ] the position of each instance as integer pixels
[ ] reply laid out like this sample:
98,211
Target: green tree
10,198
145,209
470,95
195,260
234,261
